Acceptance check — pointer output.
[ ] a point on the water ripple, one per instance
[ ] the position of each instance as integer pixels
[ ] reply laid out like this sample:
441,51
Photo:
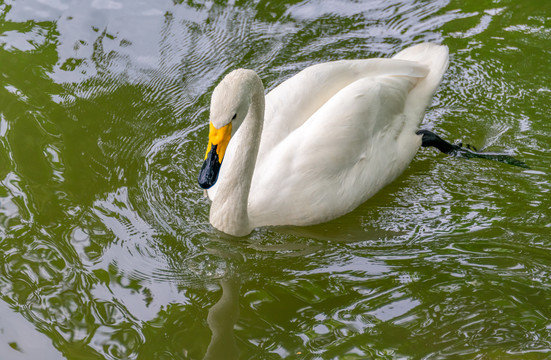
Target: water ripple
104,236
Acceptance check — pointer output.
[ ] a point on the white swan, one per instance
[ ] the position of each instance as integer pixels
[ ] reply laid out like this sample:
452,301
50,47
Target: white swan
319,144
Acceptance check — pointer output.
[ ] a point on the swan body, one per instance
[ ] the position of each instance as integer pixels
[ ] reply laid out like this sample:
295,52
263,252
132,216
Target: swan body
319,144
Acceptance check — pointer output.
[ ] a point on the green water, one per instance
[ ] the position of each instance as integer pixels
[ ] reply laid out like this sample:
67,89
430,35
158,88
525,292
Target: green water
106,251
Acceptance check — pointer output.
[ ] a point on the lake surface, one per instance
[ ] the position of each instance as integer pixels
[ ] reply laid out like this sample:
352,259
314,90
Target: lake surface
106,251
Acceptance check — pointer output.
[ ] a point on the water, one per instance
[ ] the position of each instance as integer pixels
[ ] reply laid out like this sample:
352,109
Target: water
105,247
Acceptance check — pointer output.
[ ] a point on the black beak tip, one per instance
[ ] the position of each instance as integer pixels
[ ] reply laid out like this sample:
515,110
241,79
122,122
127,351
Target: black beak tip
205,186
210,169
206,181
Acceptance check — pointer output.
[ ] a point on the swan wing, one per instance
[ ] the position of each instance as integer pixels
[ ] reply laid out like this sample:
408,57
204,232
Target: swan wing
355,143
344,153
295,100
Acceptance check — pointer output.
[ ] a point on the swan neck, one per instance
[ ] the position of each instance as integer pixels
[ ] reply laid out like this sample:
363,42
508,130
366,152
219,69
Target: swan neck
229,209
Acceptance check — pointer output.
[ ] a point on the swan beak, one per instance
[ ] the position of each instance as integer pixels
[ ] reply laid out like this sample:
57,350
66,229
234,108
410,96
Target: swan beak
218,142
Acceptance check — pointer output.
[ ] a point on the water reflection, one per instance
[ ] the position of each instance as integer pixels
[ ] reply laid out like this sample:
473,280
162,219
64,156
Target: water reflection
19,339
221,320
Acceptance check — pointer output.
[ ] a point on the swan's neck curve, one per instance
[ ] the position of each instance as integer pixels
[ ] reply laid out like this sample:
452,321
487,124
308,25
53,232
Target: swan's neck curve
228,212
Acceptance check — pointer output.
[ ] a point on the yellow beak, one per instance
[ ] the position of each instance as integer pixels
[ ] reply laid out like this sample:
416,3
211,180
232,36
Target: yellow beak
219,137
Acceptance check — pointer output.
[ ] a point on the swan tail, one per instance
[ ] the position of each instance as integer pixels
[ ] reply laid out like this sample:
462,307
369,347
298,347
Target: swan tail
467,152
435,58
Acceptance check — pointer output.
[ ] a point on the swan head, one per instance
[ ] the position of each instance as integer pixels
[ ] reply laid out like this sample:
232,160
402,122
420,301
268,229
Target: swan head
229,106
231,98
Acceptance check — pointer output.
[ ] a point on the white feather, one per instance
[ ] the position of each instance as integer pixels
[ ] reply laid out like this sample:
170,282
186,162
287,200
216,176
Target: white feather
333,135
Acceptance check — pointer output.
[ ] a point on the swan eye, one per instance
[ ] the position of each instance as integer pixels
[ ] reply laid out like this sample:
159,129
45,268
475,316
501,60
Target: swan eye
234,116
